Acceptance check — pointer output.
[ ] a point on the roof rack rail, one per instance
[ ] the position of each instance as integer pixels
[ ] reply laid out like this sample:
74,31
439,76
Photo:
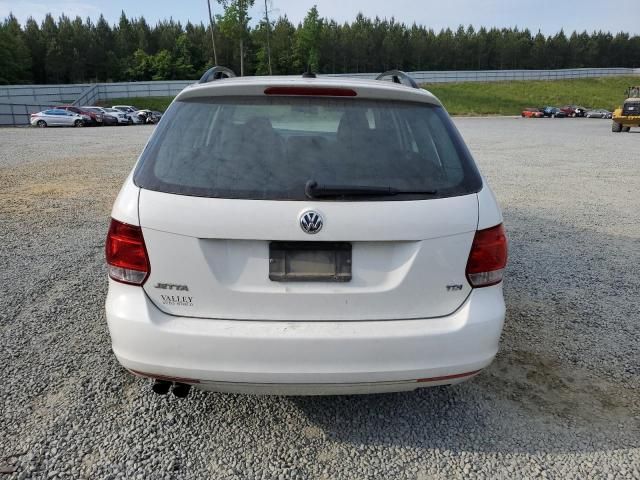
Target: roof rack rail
397,76
216,73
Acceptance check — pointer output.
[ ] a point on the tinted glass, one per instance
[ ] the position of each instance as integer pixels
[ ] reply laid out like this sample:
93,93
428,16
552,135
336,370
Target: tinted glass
270,147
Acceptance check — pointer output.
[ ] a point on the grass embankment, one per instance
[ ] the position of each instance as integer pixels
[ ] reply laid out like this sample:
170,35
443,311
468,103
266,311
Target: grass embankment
491,98
509,98
151,103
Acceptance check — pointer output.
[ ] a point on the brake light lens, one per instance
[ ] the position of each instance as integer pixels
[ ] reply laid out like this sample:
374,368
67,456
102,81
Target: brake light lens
126,254
311,91
488,257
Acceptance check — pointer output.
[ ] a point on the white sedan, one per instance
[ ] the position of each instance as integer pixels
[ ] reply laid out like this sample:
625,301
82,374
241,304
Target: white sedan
58,118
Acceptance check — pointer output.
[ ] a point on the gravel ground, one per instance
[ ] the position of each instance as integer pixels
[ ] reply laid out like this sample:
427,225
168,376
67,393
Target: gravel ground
560,401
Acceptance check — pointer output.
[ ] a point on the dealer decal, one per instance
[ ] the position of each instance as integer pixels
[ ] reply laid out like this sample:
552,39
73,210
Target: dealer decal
177,300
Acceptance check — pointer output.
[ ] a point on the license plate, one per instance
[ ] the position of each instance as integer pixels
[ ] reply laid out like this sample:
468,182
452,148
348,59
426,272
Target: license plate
310,261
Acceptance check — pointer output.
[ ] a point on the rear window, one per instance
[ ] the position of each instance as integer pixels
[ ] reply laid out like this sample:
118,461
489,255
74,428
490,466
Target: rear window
268,148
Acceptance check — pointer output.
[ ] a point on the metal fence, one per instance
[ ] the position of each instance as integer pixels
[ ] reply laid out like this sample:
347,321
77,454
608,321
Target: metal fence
19,113
41,93
18,101
455,76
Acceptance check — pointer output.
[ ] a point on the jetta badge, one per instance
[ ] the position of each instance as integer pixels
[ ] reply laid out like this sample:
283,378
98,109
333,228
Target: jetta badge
311,222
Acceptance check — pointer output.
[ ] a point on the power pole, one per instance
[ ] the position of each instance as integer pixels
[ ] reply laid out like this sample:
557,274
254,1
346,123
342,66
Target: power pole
242,33
266,16
213,41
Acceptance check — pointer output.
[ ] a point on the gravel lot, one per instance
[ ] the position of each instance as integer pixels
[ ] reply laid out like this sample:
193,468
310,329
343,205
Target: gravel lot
561,400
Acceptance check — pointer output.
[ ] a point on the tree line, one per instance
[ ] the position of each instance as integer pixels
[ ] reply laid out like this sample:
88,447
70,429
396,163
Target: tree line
74,50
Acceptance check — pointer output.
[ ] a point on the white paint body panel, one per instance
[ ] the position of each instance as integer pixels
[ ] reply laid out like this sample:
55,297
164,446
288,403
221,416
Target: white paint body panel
304,357
405,254
125,208
489,215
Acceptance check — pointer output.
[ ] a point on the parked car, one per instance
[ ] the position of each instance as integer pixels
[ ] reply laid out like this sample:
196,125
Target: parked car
573,110
58,118
131,111
95,119
106,118
554,112
126,108
150,116
122,117
599,113
532,113
319,236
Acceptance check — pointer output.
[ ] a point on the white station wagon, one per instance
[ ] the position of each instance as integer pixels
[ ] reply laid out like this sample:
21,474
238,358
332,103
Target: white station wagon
304,236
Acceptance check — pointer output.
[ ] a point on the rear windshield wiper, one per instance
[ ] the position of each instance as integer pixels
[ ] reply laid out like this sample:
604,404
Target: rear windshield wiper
314,190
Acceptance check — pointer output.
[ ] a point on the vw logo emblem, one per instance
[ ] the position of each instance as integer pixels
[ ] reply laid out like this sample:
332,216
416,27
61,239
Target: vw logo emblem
311,222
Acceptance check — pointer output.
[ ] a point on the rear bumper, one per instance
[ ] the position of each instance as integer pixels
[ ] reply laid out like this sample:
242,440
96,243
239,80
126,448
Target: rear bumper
298,358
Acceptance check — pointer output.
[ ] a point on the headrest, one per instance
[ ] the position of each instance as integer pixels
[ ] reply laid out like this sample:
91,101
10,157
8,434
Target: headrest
353,123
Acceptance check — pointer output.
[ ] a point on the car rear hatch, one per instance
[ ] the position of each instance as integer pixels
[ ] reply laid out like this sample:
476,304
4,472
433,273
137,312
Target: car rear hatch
226,189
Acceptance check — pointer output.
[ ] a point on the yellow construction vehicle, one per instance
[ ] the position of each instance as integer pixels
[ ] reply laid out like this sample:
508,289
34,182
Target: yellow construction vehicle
629,115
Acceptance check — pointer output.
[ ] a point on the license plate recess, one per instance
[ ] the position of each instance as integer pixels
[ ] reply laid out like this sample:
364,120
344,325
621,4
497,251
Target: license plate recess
310,261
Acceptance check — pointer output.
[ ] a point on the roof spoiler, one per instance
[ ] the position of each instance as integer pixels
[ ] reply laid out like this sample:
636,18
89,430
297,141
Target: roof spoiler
397,76
216,73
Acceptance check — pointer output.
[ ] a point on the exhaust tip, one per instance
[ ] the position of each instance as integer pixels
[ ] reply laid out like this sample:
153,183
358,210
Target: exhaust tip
161,387
181,390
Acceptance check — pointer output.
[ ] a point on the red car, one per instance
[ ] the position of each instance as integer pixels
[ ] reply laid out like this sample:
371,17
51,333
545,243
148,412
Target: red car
97,119
574,110
532,113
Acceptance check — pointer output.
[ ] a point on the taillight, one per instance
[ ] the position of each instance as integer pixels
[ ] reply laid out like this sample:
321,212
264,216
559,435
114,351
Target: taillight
488,257
312,91
126,254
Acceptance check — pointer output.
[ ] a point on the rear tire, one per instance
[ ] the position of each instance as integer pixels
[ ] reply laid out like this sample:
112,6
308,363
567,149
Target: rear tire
41,124
616,127
78,123
626,129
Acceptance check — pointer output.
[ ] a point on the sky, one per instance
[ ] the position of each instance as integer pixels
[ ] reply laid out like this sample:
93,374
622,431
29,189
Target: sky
549,16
